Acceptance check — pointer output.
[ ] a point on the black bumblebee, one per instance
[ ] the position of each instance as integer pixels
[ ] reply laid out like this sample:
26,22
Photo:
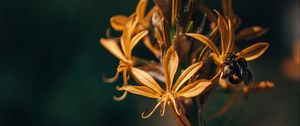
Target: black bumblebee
236,70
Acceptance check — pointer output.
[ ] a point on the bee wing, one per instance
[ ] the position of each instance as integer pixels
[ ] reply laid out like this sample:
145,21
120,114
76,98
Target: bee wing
246,76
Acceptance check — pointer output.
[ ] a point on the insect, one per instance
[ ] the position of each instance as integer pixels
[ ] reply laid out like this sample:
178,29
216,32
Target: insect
236,70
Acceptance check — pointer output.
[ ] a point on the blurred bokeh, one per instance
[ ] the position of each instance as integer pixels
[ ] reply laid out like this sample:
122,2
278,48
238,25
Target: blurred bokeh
51,65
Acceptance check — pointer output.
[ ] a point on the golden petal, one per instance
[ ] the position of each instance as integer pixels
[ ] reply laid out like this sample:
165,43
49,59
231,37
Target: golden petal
140,9
137,38
140,90
187,74
250,33
254,51
118,22
223,29
151,47
148,17
144,78
230,43
194,89
112,46
170,64
205,40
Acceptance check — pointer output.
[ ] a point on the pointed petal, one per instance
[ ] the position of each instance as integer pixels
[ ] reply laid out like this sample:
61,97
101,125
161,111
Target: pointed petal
151,47
140,9
148,17
170,64
187,74
205,40
144,78
118,22
194,88
140,90
254,51
230,43
223,29
250,33
112,46
137,38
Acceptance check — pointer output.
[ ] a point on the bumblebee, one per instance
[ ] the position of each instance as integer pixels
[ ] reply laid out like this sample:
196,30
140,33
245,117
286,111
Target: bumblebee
236,71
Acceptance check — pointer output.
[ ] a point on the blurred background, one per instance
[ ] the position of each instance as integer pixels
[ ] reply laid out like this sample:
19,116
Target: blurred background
51,65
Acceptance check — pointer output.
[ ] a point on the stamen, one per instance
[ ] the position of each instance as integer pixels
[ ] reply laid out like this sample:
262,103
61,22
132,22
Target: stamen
178,112
163,109
121,98
147,116
111,79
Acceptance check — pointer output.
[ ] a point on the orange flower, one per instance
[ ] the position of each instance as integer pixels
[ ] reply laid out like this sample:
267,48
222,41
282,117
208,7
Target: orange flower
127,41
150,88
225,29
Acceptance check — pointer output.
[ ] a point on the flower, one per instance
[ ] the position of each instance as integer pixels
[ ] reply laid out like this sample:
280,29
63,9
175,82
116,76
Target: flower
227,43
128,41
151,89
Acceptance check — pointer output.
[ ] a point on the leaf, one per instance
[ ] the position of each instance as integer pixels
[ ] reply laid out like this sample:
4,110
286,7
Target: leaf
254,51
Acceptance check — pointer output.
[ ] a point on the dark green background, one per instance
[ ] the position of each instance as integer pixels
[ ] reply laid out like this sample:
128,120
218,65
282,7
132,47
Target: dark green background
51,65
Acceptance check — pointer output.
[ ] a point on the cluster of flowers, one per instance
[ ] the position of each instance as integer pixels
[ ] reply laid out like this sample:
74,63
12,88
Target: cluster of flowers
190,59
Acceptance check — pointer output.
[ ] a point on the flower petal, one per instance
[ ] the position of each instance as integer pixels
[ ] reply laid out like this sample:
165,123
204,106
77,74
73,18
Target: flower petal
144,78
223,29
170,64
187,74
230,43
112,46
151,47
137,38
250,33
254,51
118,22
205,40
140,10
194,88
140,90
